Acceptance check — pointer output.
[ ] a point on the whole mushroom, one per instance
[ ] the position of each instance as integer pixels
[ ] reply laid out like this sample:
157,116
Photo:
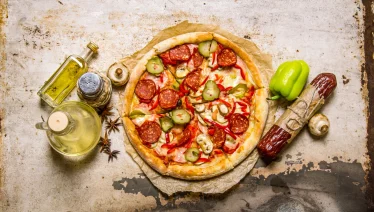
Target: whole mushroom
319,125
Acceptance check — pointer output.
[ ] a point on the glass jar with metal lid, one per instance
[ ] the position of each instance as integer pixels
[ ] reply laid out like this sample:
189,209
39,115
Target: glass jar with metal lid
95,89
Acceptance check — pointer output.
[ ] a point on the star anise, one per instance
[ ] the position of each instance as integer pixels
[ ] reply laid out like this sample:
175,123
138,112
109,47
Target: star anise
111,154
106,112
105,143
112,125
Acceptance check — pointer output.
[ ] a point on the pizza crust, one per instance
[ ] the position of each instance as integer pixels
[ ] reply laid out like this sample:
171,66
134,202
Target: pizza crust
221,164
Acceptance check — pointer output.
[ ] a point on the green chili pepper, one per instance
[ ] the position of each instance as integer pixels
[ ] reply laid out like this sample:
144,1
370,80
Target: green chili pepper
289,80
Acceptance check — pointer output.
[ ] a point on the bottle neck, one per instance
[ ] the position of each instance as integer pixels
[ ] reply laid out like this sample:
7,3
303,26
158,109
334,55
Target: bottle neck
87,54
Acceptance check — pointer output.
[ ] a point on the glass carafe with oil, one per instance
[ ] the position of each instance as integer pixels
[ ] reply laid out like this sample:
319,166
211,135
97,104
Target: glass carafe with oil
73,128
63,81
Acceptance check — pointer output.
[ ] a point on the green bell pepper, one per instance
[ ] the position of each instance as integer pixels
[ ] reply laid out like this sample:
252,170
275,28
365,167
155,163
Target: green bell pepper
289,80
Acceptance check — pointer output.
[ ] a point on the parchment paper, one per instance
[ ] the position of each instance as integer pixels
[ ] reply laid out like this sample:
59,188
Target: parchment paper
219,184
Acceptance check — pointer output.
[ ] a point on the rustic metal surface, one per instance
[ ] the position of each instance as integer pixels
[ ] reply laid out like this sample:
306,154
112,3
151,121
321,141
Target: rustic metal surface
325,174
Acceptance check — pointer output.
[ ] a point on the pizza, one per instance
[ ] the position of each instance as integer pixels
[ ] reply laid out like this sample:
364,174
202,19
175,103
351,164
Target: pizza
195,106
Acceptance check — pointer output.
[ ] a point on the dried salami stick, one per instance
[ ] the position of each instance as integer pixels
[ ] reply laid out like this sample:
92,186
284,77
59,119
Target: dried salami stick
297,115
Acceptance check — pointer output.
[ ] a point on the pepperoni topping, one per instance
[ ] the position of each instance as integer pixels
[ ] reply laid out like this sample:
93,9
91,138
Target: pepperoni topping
226,57
193,80
181,53
238,123
197,58
149,132
145,89
168,98
219,137
165,57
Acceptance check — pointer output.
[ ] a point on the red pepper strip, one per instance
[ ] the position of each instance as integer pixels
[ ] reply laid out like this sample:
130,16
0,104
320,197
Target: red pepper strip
202,160
182,89
220,46
217,152
214,57
231,112
225,128
171,150
246,114
188,144
162,77
211,131
169,145
221,88
215,67
155,104
242,104
225,103
230,151
206,79
189,106
243,109
228,88
241,70
167,138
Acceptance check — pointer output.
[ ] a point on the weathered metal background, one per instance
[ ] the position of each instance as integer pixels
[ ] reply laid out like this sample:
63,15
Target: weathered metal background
325,174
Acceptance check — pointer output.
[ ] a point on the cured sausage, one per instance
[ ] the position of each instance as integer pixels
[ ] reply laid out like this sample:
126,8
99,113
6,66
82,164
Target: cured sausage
238,123
197,58
297,115
165,57
193,80
219,137
226,57
180,53
145,89
168,98
149,132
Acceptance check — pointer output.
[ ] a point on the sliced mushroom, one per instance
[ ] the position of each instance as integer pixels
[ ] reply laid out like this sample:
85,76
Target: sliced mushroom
118,74
200,108
182,70
319,125
223,109
202,122
205,143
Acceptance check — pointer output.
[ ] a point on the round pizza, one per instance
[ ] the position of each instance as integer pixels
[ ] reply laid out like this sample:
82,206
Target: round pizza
195,106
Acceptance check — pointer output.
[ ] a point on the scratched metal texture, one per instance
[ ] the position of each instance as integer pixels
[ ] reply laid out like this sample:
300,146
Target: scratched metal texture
312,174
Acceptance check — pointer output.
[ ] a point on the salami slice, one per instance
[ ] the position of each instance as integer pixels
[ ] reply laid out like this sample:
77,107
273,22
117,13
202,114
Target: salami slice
181,53
168,98
165,57
226,57
197,58
149,132
238,123
145,89
219,138
193,80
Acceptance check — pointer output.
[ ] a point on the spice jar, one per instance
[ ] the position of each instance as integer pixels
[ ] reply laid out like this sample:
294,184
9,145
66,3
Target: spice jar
95,89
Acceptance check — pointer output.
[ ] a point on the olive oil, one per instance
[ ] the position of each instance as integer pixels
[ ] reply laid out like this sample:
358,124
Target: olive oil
63,81
79,134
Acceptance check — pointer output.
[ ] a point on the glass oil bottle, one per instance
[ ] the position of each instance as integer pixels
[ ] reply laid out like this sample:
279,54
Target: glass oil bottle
63,81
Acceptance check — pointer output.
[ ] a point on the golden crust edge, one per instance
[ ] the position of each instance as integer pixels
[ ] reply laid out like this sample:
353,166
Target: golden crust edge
252,138
152,160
